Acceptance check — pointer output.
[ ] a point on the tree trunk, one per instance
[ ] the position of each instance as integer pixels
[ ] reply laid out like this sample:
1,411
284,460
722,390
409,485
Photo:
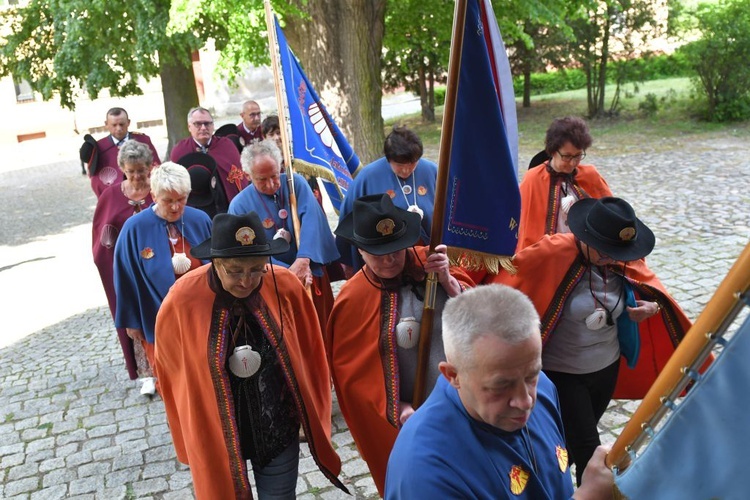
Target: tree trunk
340,52
180,94
428,115
526,85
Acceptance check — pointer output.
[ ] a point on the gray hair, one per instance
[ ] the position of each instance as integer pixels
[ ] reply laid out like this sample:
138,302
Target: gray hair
196,109
266,147
134,152
497,310
170,176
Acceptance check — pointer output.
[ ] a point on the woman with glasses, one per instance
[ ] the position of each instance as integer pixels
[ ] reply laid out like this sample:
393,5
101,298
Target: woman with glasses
608,325
153,251
550,189
117,204
242,366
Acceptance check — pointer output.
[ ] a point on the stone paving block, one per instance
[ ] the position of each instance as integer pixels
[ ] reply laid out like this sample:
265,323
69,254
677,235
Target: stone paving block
107,453
130,436
51,493
180,480
159,440
34,433
127,461
78,458
161,453
334,494
40,444
124,476
51,464
156,485
159,469
342,438
27,422
366,488
103,430
58,476
186,494
22,471
63,427
86,485
108,405
98,419
354,468
116,493
25,485
97,444
38,456
132,423
9,461
9,436
72,437
94,469
66,450
12,449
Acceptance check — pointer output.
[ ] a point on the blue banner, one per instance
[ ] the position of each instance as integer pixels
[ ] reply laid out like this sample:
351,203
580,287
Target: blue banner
318,146
483,202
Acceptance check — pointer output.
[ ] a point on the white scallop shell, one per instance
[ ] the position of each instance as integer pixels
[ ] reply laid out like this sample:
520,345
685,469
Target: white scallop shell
597,319
321,127
244,362
108,237
567,202
108,175
407,333
180,263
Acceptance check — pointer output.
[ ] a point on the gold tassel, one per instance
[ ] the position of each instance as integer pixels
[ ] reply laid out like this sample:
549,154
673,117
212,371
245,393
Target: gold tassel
617,494
476,261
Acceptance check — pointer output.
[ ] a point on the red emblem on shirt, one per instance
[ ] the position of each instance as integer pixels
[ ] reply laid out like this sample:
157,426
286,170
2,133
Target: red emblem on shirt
147,253
236,175
391,193
422,190
562,458
518,479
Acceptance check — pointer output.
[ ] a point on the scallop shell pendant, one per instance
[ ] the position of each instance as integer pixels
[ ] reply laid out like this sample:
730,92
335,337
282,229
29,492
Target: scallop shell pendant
407,332
597,319
567,202
108,175
180,263
108,236
283,234
416,210
244,361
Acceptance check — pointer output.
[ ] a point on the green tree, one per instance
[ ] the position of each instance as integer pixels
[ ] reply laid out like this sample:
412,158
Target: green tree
606,30
720,58
66,48
417,47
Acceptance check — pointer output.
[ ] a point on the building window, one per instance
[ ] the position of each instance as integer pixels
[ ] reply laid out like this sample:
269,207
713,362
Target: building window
23,91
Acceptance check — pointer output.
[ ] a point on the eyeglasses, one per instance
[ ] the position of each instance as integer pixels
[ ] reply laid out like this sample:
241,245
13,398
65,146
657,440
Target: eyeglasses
577,157
253,114
203,124
251,274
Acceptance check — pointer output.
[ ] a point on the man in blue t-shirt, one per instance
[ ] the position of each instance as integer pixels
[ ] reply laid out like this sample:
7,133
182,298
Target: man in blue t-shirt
491,427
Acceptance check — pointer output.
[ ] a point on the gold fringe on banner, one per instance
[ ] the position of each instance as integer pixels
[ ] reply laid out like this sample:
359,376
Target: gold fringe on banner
478,261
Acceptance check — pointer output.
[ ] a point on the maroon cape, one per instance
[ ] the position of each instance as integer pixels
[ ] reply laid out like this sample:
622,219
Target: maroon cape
108,172
112,210
248,137
548,271
223,150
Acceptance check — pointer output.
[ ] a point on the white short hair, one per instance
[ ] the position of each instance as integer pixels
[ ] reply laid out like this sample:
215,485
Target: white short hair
497,310
170,176
266,147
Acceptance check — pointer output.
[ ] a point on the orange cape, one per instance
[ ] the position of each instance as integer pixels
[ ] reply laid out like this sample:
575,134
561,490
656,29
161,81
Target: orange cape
549,270
361,348
190,361
541,195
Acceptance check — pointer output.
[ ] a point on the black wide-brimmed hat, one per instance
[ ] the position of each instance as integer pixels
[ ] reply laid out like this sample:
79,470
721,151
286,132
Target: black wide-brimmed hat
201,167
238,236
378,227
89,153
231,132
609,225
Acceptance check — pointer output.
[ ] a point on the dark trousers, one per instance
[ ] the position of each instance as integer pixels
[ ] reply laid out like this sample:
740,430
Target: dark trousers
583,400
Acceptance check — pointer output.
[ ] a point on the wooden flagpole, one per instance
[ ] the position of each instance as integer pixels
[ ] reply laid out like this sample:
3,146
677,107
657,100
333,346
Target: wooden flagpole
273,49
694,346
441,188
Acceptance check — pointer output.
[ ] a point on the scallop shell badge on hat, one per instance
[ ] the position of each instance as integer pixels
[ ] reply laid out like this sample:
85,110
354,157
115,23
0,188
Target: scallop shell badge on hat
245,235
385,227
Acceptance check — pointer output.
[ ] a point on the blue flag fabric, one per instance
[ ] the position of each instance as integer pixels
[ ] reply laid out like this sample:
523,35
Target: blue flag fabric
318,146
483,202
700,451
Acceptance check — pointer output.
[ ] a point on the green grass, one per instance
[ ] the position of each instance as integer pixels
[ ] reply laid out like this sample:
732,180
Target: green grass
631,130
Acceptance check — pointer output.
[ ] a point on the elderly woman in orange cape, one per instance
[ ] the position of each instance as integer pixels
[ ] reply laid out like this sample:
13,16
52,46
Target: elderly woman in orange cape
598,302
551,188
241,363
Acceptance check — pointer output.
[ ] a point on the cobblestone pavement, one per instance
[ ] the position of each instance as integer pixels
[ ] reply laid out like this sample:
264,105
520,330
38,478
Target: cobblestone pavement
73,425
